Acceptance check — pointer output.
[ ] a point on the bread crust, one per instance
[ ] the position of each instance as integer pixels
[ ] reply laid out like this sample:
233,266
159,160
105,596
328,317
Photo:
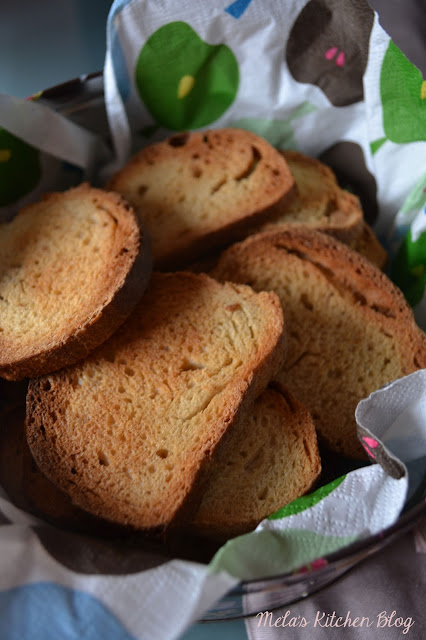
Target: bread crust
30,490
127,266
269,459
197,191
333,210
89,437
369,246
350,328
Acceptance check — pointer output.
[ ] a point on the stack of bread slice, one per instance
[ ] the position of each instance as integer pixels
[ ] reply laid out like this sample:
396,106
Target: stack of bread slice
182,401
350,330
129,432
129,422
321,204
197,192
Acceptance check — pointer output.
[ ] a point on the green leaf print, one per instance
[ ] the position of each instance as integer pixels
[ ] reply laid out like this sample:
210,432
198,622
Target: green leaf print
279,133
409,268
375,146
403,95
185,82
305,502
416,199
269,553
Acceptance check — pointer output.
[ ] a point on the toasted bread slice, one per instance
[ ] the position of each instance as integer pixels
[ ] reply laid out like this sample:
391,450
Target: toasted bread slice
197,191
367,244
320,203
350,329
268,460
129,432
23,481
72,268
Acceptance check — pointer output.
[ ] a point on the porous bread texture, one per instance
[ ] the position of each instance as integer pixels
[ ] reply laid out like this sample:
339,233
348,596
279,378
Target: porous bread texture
319,201
72,268
269,459
350,330
197,191
129,432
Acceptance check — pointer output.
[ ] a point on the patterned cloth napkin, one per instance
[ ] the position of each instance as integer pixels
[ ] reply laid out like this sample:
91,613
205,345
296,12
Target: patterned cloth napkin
321,77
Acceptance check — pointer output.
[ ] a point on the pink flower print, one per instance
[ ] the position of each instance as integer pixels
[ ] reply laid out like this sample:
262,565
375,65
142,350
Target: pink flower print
370,443
330,54
341,59
319,563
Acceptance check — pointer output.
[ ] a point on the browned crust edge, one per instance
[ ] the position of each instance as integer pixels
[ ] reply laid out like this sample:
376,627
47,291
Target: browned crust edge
218,240
40,406
345,221
341,263
131,267
370,247
198,243
374,296
233,528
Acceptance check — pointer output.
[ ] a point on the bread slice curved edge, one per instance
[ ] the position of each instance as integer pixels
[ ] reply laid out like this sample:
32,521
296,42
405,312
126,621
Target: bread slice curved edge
132,268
